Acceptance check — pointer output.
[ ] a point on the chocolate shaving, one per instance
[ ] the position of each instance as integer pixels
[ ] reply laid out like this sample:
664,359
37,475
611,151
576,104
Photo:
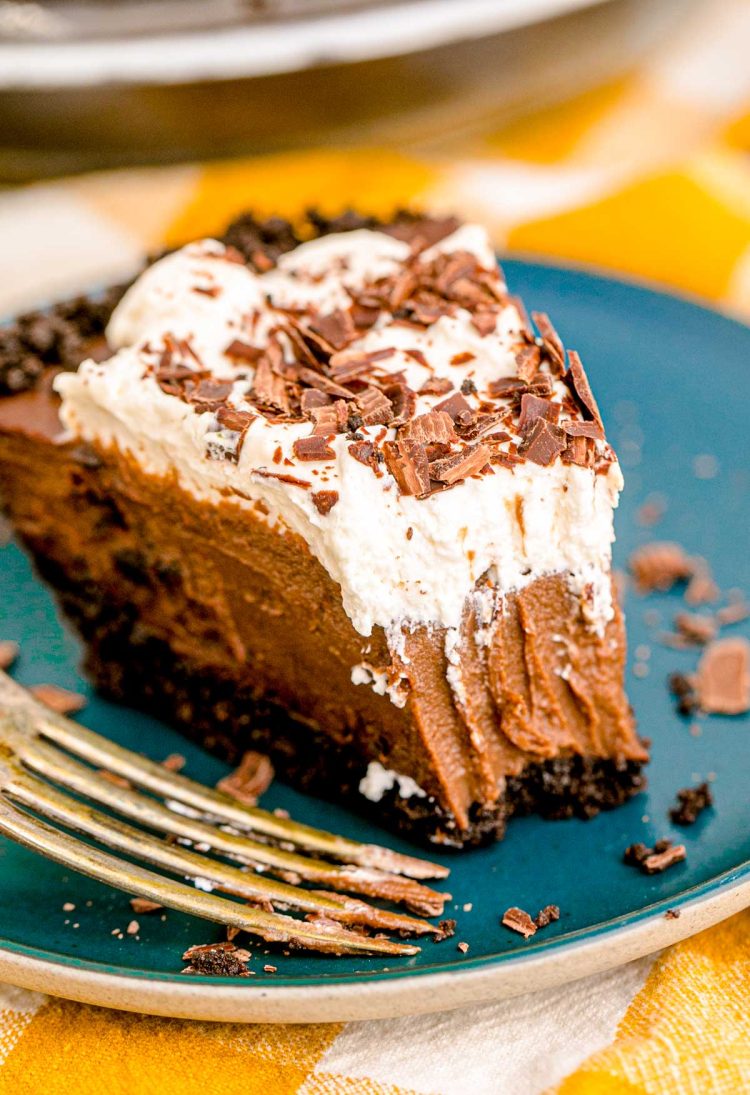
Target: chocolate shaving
332,418
551,341
519,921
322,383
325,500
460,465
336,329
458,408
463,358
208,395
691,802
584,429
484,322
434,427
243,351
534,407
314,447
282,477
375,407
407,462
312,398
230,418
269,389
543,442
722,682
507,386
363,451
578,382
250,780
436,385
528,360
404,402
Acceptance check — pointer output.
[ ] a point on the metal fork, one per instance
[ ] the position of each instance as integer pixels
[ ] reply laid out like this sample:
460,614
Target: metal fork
42,752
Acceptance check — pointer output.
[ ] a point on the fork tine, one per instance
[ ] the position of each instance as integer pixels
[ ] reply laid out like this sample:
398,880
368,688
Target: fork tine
153,777
32,793
273,927
56,766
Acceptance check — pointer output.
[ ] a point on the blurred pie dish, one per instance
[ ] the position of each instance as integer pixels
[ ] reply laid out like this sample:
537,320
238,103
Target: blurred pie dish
335,499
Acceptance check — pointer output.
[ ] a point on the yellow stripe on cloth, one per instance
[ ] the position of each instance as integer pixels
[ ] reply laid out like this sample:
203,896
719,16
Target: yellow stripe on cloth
76,1048
668,228
687,1031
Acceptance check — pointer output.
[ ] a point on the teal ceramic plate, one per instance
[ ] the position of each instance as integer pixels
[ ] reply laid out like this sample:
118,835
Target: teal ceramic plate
672,379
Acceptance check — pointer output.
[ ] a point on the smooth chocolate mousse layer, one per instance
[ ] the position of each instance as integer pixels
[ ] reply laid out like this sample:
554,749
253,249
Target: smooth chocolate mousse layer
206,616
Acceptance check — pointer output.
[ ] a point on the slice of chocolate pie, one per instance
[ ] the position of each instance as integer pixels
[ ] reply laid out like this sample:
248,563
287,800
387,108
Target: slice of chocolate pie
337,501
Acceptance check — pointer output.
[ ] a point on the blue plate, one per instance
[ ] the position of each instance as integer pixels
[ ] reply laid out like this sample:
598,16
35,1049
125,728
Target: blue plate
668,375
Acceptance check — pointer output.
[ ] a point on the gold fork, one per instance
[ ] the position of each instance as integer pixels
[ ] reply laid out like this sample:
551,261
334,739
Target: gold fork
42,752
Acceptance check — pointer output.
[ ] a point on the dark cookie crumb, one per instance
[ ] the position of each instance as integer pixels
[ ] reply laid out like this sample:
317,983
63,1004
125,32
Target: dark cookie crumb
672,914
663,855
446,929
547,915
691,801
217,960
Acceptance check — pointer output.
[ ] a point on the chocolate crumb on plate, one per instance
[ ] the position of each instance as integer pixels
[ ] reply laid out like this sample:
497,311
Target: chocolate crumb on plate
143,906
672,914
722,681
268,968
60,700
9,652
660,565
695,629
446,929
547,915
175,762
519,921
133,927
463,947
701,588
217,960
663,855
250,780
682,688
734,613
692,801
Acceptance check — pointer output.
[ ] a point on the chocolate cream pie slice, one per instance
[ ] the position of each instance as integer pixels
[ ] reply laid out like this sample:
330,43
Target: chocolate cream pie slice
338,501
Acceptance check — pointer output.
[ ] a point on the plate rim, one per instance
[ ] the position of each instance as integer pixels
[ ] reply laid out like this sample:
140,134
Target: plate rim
375,996
400,992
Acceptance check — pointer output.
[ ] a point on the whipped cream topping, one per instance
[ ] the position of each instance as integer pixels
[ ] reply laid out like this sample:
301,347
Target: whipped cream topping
399,560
